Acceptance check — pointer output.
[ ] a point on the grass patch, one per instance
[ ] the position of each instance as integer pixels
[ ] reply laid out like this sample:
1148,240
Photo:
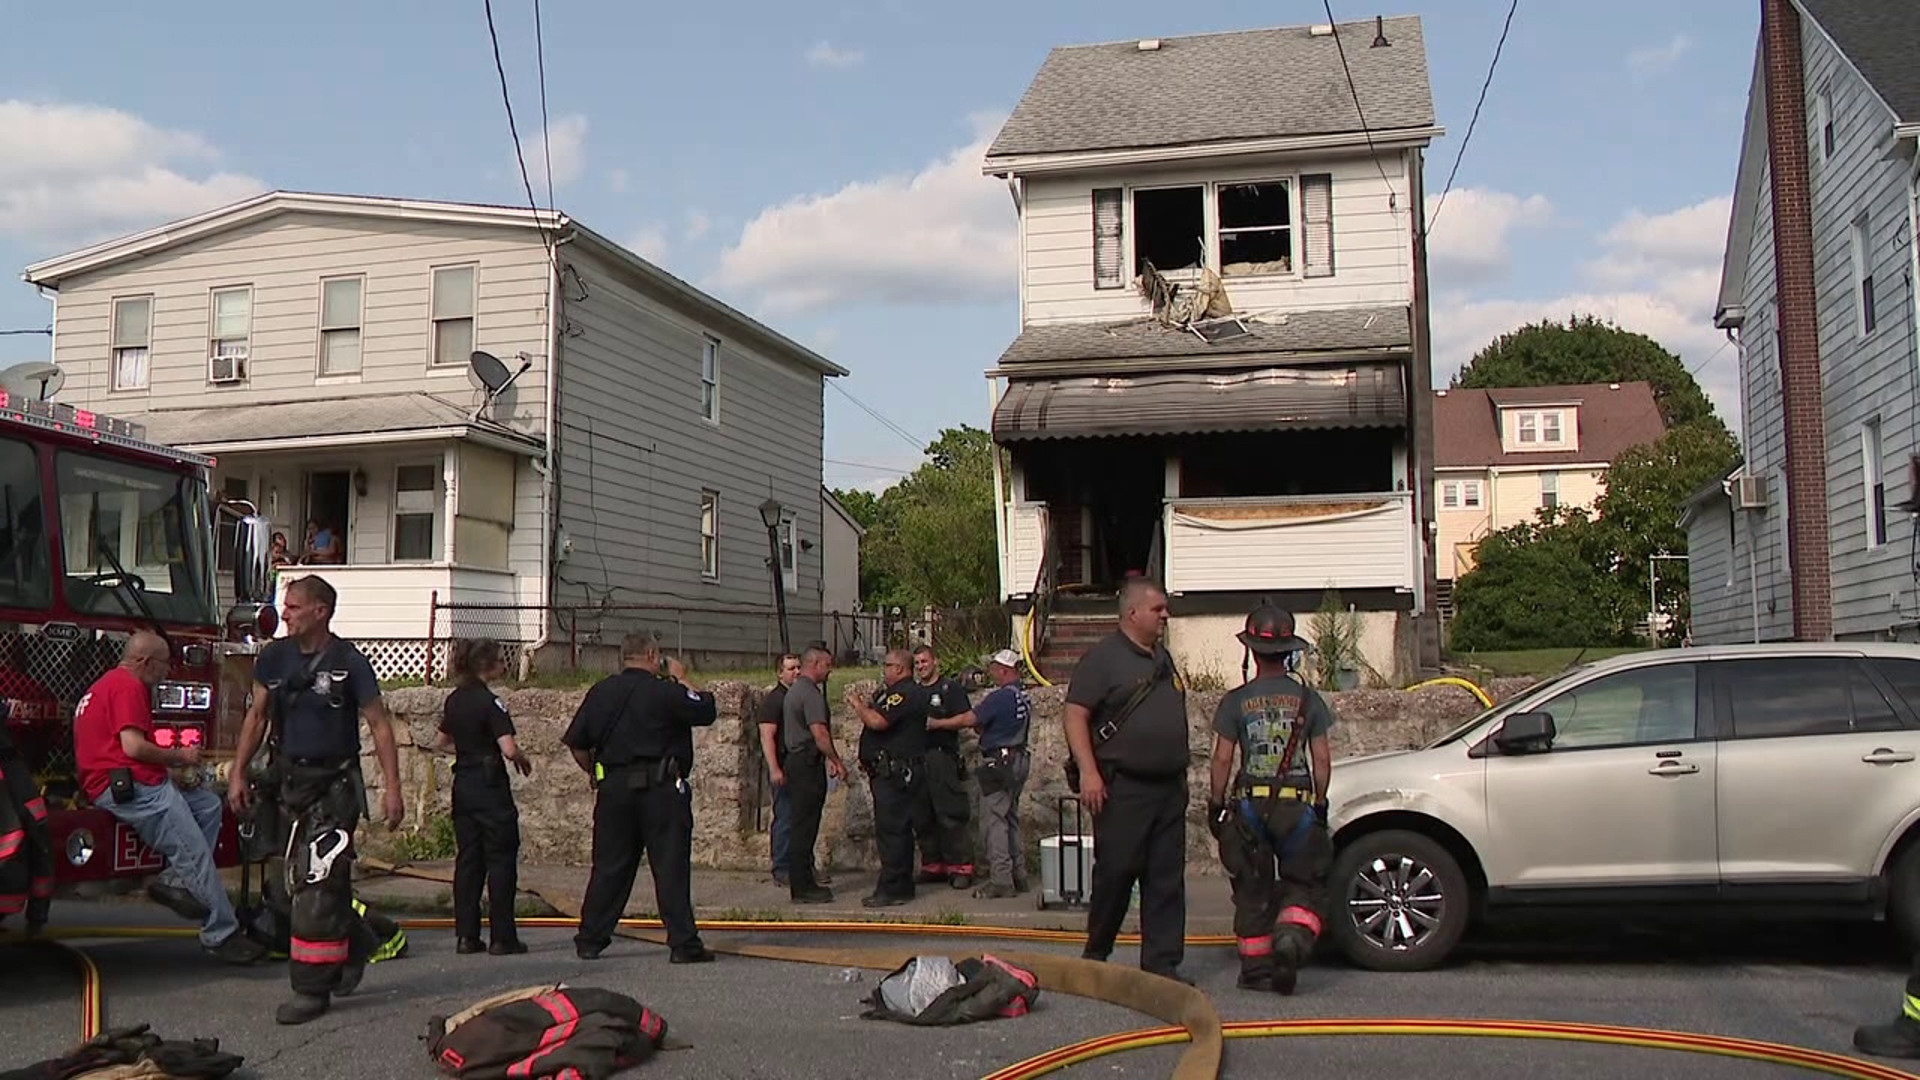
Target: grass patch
1534,663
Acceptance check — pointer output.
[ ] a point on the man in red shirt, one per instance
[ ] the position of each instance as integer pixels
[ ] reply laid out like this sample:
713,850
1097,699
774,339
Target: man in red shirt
125,774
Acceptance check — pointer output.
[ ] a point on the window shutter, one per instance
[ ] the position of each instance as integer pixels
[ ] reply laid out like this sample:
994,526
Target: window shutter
1109,262
1316,200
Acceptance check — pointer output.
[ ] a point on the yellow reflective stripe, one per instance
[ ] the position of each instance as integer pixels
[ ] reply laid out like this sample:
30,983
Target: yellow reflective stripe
1913,1007
358,907
391,948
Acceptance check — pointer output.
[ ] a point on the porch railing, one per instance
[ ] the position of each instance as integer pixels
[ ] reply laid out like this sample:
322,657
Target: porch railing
1044,584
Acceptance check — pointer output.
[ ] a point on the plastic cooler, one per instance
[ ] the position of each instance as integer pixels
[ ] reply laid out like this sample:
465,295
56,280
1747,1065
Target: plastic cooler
1066,861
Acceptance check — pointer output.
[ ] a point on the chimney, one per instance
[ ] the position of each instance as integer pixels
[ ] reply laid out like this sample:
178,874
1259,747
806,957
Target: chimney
1803,408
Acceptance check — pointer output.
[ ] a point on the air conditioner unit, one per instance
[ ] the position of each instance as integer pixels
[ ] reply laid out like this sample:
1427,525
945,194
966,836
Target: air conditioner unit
1750,492
227,367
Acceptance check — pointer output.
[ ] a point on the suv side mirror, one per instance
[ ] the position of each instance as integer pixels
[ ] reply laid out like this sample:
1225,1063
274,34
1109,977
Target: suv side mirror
1525,733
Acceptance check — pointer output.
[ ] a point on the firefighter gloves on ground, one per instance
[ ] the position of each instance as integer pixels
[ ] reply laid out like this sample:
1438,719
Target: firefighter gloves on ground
134,1052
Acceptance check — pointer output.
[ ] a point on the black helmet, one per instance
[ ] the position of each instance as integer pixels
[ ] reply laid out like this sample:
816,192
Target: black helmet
1270,631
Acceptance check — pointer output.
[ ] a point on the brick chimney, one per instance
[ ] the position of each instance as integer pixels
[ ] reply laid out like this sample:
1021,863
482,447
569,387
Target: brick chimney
1803,406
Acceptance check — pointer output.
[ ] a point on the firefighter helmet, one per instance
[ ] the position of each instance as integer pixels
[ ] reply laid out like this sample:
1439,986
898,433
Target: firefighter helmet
1270,631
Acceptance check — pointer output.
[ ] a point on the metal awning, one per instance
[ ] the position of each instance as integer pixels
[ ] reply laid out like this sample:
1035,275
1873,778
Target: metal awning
361,420
1181,403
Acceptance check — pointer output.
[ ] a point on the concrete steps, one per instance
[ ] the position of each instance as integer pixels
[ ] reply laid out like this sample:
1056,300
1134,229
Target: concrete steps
1068,639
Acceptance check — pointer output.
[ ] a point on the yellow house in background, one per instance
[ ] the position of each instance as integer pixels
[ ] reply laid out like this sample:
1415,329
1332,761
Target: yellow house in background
1502,455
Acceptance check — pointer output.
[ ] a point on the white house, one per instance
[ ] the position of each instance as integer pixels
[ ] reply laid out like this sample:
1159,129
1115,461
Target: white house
607,471
1222,372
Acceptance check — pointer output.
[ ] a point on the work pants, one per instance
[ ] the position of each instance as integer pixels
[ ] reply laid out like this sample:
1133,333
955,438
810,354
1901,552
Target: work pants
806,794
894,796
183,827
324,805
26,844
639,811
486,828
1140,837
1001,784
940,817
1261,832
780,831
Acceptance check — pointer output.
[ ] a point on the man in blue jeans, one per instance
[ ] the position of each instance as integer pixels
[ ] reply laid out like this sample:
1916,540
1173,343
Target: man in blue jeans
124,773
769,720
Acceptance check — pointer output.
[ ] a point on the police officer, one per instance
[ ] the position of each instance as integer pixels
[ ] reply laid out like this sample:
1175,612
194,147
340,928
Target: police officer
477,728
1277,807
317,688
893,750
942,813
633,734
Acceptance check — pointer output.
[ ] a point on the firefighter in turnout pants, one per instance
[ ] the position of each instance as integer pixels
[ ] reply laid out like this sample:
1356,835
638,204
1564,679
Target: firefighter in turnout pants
1277,808
317,689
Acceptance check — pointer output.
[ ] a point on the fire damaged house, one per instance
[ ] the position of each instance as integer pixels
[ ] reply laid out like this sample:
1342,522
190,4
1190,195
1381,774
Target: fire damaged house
1222,374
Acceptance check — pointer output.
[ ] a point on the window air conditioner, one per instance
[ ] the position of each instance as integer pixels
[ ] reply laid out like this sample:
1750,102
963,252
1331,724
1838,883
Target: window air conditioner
1750,492
227,367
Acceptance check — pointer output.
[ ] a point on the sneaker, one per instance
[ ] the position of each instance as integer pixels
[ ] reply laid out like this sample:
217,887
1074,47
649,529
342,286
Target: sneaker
238,948
993,890
506,947
301,1008
880,900
467,946
1900,1039
178,900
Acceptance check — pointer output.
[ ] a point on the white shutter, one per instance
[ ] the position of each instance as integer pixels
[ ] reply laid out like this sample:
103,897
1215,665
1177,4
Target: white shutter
1109,259
1316,200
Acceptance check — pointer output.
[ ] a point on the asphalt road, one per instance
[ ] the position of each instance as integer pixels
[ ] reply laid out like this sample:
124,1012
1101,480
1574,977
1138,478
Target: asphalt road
751,1019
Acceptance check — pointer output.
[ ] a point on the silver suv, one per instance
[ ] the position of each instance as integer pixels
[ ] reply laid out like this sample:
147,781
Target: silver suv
1770,779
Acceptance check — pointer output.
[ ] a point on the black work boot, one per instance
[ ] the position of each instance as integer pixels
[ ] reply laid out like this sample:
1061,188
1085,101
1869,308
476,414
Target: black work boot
1290,949
467,946
1899,1039
301,1008
506,947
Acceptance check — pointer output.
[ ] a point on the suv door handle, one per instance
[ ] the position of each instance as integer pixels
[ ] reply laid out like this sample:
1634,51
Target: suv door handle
1673,768
1883,756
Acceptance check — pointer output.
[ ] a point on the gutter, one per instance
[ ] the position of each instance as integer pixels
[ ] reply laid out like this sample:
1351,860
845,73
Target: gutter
1011,164
361,440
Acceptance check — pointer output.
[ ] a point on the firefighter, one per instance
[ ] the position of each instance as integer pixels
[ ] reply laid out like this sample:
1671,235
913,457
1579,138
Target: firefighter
942,812
893,752
1277,808
476,727
317,688
633,735
1899,1037
26,846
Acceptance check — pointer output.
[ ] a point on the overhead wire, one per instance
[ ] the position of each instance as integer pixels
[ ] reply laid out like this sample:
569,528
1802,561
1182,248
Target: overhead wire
47,332
1353,90
1462,152
918,444
546,140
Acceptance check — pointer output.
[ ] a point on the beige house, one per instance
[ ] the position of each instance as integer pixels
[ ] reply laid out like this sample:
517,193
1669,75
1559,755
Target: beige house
607,468
1503,455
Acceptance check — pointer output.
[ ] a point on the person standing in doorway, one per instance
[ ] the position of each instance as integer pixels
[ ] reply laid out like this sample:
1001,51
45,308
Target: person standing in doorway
476,727
1126,727
806,733
942,812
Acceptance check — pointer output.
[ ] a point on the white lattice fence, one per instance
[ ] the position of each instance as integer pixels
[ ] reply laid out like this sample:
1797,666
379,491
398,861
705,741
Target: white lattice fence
407,658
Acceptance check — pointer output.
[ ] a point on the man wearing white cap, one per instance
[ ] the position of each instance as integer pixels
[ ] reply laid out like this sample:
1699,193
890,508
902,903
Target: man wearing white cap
1002,719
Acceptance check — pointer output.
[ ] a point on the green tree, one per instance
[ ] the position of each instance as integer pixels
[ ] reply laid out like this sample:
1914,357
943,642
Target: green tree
1586,350
1646,489
1537,586
930,537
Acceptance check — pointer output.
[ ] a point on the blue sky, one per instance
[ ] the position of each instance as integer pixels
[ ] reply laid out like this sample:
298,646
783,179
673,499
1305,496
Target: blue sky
818,165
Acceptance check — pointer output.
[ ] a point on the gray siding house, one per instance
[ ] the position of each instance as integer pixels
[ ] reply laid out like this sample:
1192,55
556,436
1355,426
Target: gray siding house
321,347
1807,538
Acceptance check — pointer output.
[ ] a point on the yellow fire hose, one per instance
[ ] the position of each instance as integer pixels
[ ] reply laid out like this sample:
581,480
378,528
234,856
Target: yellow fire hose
1465,684
1026,651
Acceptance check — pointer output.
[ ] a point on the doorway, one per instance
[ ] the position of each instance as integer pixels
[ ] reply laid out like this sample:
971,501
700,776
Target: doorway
329,508
1106,497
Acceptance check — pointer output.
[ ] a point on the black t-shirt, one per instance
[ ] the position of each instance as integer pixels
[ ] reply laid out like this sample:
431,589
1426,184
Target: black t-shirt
323,720
946,696
772,711
639,714
475,719
1153,740
905,707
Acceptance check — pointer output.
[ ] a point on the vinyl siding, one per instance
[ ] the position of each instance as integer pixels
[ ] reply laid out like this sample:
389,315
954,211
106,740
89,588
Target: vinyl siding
632,512
1371,254
1719,583
1353,550
283,259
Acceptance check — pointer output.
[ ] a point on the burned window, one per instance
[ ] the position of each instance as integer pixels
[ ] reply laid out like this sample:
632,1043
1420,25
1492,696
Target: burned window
1256,229
1169,228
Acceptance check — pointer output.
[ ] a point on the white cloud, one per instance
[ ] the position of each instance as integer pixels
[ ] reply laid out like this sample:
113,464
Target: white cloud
650,243
943,234
75,172
566,144
825,55
697,224
1469,240
1651,60
1679,243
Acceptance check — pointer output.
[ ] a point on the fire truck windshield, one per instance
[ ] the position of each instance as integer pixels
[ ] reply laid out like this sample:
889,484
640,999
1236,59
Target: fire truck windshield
127,529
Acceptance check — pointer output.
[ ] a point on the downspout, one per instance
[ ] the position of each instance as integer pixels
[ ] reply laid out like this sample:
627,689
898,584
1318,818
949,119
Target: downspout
53,321
1020,251
550,482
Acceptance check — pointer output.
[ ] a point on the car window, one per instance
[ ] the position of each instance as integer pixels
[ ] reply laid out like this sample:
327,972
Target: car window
1803,695
1903,675
1632,708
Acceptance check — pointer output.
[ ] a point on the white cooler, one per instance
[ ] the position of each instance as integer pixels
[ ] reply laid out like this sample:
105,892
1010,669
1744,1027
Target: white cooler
1066,870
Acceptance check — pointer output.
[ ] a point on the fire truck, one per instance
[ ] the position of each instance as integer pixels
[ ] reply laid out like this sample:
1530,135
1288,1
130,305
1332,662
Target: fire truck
103,533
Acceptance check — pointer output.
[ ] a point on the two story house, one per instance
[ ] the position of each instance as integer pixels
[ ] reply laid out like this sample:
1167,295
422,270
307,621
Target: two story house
1503,455
1222,374
603,466
1813,535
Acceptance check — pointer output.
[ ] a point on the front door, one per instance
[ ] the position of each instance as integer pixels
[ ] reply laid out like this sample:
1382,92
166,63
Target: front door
1624,797
329,504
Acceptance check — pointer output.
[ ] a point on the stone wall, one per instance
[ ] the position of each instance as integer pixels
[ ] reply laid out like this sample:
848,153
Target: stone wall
556,807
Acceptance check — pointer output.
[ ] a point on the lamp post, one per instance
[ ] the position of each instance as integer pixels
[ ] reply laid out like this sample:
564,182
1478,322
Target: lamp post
770,516
1653,596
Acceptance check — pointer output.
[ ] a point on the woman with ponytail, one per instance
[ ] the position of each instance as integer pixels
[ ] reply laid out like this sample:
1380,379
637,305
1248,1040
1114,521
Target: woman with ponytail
475,725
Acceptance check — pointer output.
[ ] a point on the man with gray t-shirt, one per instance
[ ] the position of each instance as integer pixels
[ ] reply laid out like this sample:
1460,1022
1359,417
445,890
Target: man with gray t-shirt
806,733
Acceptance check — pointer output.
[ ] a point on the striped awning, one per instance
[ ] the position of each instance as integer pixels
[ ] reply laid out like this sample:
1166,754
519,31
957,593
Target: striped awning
1181,403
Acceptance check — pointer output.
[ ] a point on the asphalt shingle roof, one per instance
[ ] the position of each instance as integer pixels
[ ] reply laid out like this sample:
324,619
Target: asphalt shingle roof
1302,332
1206,88
293,420
1466,424
1879,37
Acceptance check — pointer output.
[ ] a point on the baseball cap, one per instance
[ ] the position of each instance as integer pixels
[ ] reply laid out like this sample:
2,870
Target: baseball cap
1005,658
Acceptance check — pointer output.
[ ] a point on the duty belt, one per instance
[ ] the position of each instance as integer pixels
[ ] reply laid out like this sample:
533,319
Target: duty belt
1273,791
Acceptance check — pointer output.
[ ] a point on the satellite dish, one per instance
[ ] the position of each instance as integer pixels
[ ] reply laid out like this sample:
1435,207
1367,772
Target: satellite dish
494,376
35,380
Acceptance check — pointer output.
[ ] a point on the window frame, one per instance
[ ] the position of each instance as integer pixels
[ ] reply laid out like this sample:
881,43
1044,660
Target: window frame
434,318
1217,234
1866,317
436,540
1873,482
215,341
709,534
710,379
1210,228
114,349
1450,492
1470,495
1723,673
789,535
359,328
1549,489
1823,128
1704,702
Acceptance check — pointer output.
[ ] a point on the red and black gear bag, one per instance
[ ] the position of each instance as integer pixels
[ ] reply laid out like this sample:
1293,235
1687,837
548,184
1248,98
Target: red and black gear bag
990,989
555,1032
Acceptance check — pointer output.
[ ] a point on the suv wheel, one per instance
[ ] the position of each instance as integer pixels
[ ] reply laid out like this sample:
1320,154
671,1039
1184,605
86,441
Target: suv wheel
1398,901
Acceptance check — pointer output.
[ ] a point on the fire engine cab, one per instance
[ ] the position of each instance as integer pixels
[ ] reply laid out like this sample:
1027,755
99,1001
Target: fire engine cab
103,533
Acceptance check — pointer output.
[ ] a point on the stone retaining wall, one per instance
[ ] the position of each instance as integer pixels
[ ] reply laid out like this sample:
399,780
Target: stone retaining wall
556,805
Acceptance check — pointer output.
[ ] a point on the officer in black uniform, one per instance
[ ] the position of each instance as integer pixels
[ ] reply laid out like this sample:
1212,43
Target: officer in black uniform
943,813
317,688
634,737
893,749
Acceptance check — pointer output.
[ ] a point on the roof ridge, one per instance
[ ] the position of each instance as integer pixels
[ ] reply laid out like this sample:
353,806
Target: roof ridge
1163,38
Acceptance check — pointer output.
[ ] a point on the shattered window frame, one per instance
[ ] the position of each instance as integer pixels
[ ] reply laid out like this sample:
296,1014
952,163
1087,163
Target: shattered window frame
1290,227
1135,230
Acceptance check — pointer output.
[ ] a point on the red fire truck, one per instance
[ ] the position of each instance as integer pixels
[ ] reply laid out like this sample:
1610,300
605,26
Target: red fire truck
103,533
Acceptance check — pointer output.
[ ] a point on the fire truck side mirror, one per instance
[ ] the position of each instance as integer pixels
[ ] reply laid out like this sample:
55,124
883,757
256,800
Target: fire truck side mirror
253,560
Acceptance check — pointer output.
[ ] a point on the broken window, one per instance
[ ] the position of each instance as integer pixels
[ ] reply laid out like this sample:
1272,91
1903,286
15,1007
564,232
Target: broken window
1169,228
1256,229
